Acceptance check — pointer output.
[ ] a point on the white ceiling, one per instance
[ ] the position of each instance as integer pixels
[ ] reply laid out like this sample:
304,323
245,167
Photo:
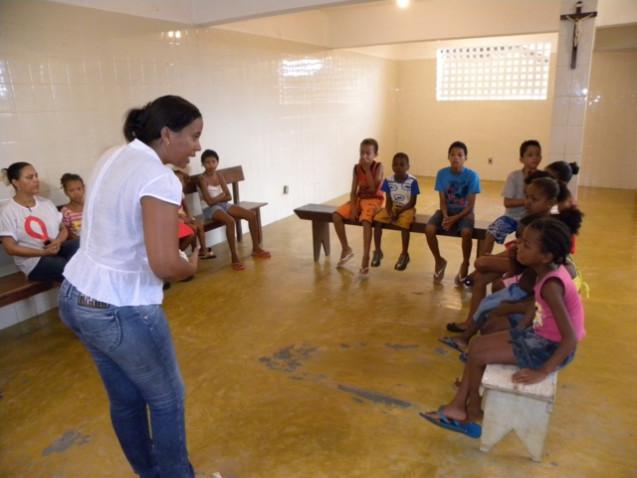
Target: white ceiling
204,12
208,12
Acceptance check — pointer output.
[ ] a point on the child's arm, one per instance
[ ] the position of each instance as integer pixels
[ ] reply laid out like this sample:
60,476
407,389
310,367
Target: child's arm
443,205
411,204
529,315
373,181
471,202
517,307
203,187
511,202
553,293
389,204
353,196
225,197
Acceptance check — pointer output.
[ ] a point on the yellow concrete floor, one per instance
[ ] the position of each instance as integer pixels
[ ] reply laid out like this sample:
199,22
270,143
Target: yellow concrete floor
295,369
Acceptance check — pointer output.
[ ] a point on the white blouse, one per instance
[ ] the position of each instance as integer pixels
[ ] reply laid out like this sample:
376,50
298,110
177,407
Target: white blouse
111,264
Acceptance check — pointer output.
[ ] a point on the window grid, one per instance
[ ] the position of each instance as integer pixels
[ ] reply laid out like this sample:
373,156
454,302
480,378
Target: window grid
505,72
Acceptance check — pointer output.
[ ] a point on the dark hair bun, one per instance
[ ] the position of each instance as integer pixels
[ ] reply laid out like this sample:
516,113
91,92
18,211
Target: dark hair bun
574,168
172,112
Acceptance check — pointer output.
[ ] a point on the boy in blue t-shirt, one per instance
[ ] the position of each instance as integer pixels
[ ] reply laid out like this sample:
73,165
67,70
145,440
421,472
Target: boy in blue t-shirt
401,191
457,187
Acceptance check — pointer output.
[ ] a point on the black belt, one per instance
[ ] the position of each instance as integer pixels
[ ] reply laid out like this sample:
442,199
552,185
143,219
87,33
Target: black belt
86,301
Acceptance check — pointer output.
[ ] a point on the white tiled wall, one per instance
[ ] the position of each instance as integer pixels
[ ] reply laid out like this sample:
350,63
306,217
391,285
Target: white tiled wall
290,114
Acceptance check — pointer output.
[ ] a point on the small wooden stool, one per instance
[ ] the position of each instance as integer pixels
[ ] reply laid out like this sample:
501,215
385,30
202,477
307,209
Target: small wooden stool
510,406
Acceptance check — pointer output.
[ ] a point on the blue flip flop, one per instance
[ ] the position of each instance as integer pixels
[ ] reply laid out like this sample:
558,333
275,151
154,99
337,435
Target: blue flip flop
449,342
471,429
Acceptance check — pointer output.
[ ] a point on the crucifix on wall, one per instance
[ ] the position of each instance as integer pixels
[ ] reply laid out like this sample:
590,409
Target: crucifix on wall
576,18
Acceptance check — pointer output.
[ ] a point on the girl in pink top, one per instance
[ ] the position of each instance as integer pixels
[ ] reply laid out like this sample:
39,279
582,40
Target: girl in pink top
73,186
539,350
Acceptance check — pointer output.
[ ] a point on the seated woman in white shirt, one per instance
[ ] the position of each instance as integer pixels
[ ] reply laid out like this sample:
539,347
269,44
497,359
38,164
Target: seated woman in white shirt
31,228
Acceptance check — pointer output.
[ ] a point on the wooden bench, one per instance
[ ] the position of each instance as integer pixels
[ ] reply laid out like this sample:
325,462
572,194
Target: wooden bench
232,177
321,216
15,287
509,406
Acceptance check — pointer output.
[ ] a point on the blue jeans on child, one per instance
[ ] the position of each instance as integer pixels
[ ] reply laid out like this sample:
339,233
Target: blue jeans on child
512,293
134,354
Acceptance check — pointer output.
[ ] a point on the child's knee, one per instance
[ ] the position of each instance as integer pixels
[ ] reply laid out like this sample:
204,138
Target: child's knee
336,217
480,263
229,221
430,230
466,233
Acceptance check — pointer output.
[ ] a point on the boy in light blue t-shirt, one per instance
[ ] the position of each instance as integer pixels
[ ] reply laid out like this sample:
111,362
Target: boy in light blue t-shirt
457,187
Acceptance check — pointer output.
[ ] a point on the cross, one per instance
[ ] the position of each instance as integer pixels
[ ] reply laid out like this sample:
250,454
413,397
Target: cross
576,17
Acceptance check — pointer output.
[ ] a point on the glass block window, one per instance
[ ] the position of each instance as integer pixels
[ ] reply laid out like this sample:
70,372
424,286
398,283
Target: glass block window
506,72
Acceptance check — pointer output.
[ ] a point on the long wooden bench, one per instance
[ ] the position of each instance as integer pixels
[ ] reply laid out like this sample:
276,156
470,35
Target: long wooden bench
15,287
321,216
232,176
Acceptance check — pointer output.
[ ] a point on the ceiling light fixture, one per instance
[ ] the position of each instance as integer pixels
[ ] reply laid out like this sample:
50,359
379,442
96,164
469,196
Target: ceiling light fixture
402,3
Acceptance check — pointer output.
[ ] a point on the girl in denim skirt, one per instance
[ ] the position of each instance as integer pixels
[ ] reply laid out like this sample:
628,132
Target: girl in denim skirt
539,350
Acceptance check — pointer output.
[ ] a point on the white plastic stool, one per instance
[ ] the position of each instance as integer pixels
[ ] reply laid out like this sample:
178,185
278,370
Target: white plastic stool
510,406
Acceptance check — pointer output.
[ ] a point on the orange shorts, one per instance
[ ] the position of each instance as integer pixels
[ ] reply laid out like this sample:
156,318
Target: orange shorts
367,209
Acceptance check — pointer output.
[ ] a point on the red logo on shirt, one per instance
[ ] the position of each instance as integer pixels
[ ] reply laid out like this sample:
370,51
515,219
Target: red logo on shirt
28,227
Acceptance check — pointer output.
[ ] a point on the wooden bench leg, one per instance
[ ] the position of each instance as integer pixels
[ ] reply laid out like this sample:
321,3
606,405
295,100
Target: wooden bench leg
259,227
527,416
239,229
320,237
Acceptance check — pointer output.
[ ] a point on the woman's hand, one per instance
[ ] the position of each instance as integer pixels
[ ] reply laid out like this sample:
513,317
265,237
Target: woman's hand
52,248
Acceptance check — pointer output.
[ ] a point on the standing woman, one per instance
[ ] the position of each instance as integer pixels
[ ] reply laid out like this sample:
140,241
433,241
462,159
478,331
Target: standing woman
31,228
112,294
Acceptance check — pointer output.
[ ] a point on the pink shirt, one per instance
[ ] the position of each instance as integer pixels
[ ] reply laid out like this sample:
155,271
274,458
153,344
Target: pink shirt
548,327
73,221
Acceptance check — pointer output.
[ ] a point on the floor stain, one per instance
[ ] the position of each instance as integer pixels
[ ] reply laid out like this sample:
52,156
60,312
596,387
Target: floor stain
374,396
288,358
66,441
401,346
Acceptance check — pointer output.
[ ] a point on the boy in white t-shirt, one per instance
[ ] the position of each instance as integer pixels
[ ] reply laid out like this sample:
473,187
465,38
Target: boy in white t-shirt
401,191
514,198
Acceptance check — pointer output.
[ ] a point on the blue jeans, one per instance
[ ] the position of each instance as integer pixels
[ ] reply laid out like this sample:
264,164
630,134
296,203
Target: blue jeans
50,268
134,354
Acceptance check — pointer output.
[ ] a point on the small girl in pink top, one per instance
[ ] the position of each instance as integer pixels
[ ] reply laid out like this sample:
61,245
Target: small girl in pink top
73,186
538,350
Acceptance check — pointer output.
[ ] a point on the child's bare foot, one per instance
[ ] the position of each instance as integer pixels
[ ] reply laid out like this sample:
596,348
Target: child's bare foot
441,266
346,255
238,266
462,274
206,254
450,412
261,253
474,412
